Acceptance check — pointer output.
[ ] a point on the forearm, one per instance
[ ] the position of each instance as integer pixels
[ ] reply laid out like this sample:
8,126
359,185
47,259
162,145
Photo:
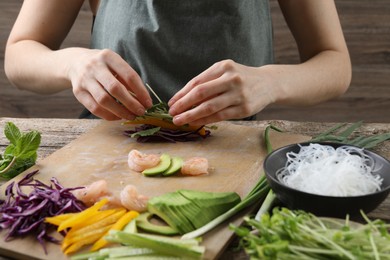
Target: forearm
32,66
325,76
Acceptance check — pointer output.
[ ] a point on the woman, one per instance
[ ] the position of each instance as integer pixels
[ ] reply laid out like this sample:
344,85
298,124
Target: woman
210,60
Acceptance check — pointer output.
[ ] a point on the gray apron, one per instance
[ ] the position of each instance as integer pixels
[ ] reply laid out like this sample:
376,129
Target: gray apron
168,42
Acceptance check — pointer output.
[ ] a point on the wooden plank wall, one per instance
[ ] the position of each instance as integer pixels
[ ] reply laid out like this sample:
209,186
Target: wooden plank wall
366,25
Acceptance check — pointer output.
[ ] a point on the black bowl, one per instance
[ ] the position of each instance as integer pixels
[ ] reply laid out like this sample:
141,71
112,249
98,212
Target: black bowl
325,205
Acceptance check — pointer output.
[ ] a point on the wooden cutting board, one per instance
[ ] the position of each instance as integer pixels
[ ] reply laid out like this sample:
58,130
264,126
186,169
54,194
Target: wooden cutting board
235,155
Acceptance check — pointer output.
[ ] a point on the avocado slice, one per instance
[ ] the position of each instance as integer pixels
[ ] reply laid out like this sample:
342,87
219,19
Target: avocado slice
186,210
166,207
165,162
176,163
209,205
143,222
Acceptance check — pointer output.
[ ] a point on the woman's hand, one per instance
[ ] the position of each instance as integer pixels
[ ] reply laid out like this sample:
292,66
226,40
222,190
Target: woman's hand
107,86
227,90
101,80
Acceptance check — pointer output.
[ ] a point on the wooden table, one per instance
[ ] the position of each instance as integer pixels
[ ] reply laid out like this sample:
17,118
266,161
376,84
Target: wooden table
56,133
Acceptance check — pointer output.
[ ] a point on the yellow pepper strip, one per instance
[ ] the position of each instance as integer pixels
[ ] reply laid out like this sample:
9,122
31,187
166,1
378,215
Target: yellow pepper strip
99,215
69,240
76,246
57,220
165,124
102,223
124,220
82,216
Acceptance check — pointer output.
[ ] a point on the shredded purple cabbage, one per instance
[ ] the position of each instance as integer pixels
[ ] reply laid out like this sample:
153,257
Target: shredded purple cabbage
24,214
166,135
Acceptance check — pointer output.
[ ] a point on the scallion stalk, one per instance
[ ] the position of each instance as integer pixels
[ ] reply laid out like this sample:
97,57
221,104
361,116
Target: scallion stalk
256,194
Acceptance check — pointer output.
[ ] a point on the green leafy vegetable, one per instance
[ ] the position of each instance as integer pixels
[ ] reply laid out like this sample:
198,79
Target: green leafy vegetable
21,153
343,133
297,234
147,132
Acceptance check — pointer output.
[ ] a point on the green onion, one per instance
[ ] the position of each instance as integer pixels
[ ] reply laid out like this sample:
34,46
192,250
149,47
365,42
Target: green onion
255,195
342,133
288,234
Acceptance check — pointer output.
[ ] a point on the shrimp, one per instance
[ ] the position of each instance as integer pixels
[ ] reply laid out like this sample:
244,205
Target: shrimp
132,200
140,161
195,166
92,192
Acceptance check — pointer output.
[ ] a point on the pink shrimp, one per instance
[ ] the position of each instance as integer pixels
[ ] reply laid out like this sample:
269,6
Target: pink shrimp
195,166
132,200
92,192
140,161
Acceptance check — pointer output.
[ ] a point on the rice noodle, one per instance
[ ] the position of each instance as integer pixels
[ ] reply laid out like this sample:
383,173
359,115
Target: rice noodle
324,170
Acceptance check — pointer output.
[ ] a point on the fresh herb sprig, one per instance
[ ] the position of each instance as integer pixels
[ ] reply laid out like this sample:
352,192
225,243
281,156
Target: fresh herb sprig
344,133
159,110
21,153
156,125
288,234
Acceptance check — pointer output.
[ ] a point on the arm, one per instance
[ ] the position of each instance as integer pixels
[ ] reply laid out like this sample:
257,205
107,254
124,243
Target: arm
35,62
228,90
325,71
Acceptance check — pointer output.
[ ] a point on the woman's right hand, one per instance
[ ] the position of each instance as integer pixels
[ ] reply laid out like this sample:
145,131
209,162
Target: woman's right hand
107,85
101,80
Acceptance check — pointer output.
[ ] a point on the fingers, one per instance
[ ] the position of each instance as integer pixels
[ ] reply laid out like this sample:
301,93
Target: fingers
227,105
106,85
100,103
214,72
227,113
114,96
226,90
130,80
89,102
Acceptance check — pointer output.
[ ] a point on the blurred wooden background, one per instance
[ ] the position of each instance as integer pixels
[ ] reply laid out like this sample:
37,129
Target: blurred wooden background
366,25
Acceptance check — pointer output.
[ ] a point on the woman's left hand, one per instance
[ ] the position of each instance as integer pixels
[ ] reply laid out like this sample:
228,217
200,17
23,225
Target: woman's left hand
226,90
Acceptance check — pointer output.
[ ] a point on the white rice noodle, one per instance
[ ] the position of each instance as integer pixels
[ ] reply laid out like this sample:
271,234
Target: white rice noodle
324,170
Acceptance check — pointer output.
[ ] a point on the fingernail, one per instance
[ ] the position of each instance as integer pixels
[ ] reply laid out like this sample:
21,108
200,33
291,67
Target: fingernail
130,117
176,120
172,112
149,103
140,112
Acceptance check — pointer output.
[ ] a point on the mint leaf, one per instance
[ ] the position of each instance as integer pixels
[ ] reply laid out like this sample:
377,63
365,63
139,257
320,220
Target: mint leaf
12,132
19,166
148,132
9,150
21,153
27,144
